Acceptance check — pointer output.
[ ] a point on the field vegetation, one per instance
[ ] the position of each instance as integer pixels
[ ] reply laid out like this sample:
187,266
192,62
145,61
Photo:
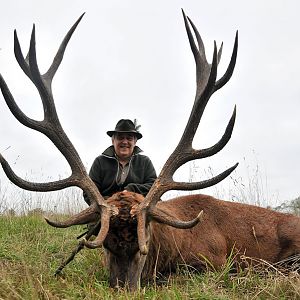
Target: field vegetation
31,251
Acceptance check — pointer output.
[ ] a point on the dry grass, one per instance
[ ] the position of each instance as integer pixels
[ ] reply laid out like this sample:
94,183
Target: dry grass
30,252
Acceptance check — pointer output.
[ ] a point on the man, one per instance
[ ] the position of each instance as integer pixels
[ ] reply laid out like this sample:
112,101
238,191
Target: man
121,166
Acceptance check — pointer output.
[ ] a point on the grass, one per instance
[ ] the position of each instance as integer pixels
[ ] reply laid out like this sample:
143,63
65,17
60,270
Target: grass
30,252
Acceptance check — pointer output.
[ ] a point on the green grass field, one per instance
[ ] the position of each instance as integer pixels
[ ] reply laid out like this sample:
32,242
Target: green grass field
30,252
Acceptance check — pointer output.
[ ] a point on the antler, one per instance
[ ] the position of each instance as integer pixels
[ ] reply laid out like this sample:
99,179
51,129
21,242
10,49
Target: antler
207,84
51,127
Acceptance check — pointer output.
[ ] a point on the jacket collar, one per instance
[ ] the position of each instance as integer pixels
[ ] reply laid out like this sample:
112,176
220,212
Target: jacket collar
110,151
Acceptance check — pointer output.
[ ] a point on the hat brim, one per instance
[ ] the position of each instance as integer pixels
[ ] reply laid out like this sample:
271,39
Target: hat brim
137,134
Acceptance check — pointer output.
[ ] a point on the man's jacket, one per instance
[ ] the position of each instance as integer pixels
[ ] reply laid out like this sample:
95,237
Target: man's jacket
105,169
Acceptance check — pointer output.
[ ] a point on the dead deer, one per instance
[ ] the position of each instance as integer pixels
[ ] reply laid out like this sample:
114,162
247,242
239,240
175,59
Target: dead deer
140,234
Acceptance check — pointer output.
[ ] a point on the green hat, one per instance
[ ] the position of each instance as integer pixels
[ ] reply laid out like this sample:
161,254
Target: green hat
125,126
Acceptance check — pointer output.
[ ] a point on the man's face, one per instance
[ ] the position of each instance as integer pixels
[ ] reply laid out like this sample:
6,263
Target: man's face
124,144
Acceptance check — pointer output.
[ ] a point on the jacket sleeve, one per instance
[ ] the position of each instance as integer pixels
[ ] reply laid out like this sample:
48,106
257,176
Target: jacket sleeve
149,178
95,174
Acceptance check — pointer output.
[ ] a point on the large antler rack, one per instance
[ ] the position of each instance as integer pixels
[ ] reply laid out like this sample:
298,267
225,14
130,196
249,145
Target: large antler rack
51,127
207,84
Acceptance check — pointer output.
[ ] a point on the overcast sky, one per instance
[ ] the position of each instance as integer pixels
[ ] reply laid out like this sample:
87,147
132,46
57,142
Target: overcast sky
132,59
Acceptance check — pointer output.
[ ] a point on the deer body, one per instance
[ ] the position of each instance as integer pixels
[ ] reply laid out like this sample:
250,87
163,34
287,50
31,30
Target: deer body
251,230
226,226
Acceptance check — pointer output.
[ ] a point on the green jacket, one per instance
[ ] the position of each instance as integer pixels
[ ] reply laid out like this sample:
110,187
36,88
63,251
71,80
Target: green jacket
105,168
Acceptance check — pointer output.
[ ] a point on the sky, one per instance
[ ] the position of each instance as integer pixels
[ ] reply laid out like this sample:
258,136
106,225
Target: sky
132,59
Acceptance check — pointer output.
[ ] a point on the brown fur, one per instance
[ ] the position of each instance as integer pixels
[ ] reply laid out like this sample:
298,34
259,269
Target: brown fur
254,231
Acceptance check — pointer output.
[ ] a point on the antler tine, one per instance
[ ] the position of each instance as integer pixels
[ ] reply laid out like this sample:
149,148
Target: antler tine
165,217
89,215
60,53
34,186
220,52
188,186
14,108
199,53
23,63
98,241
33,66
225,78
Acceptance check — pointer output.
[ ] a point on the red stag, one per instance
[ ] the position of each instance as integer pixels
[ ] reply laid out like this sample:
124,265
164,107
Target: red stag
140,234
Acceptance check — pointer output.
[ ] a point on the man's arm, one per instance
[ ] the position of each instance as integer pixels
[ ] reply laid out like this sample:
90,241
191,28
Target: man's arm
149,178
95,173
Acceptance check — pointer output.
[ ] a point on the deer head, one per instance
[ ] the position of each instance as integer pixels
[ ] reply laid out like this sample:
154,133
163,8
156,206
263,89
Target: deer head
144,211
